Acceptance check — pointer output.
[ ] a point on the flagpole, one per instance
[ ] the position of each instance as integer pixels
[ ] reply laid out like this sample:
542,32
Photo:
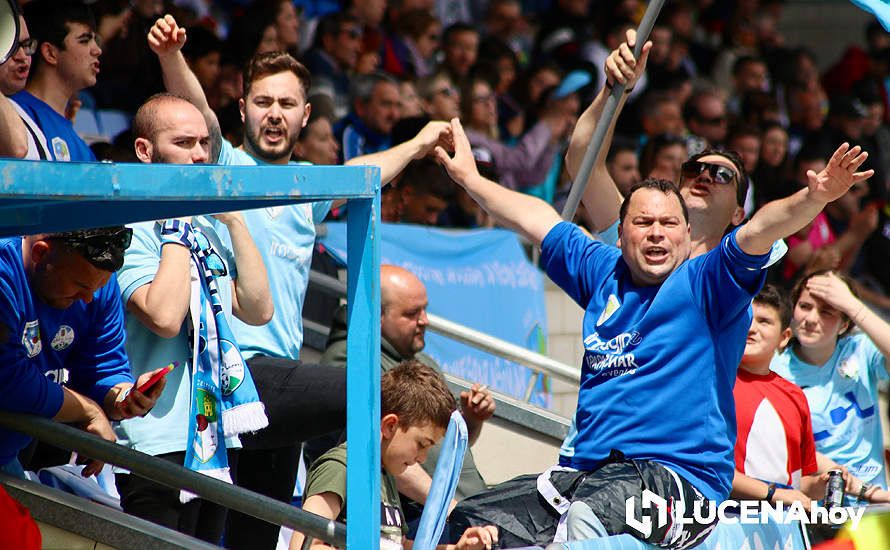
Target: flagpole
609,110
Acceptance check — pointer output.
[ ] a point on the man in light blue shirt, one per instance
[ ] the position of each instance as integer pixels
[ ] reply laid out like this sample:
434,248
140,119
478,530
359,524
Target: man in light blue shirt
302,401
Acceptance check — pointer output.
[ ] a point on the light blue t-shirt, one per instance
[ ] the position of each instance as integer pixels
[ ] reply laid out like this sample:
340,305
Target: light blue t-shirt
285,236
843,399
660,361
165,428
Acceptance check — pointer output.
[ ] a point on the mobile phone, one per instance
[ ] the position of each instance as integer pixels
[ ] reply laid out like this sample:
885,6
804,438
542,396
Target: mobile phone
157,376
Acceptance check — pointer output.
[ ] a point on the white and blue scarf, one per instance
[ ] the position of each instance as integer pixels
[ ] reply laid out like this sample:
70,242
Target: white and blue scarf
224,400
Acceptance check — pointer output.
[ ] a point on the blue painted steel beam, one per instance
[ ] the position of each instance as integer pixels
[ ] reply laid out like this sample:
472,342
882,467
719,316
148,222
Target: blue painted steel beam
40,197
55,196
363,376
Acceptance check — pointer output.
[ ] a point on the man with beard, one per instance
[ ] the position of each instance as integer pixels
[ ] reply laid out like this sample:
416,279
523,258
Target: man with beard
302,401
156,285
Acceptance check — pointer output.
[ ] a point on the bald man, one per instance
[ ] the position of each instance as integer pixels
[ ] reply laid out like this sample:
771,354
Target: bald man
403,323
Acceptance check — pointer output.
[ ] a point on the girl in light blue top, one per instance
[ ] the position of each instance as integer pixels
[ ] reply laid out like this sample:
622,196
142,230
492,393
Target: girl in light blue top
839,371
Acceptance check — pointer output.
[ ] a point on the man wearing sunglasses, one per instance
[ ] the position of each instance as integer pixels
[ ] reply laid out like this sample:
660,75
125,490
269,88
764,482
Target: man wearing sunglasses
156,283
20,136
61,323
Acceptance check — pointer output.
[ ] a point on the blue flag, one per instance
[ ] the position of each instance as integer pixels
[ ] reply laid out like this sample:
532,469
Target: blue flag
879,8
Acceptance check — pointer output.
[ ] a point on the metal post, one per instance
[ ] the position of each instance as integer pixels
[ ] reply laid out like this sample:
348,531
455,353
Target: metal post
363,375
609,110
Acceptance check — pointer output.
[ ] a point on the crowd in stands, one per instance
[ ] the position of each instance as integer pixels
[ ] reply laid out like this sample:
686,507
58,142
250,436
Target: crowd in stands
741,145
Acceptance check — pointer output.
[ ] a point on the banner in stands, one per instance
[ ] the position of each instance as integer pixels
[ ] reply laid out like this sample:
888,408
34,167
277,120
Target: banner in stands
478,278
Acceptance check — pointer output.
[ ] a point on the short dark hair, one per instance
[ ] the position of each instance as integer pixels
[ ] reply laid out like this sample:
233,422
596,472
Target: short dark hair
49,20
331,25
266,64
103,247
417,394
654,146
457,28
665,186
745,60
145,121
428,177
801,284
773,296
741,181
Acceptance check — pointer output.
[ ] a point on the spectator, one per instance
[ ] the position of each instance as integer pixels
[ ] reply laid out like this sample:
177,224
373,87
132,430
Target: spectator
505,21
745,141
839,372
426,192
20,137
156,285
274,109
375,110
203,53
662,157
316,143
415,407
411,51
409,102
775,454
334,57
527,163
660,113
129,72
772,170
655,244
461,50
285,18
369,14
705,116
63,335
623,166
749,74
403,325
439,98
67,61
807,108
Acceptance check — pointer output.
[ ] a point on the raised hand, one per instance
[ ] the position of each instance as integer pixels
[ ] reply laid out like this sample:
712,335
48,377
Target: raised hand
461,167
435,133
839,175
621,67
832,290
166,37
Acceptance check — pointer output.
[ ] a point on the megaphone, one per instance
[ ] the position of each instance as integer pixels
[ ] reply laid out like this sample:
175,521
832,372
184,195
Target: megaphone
9,29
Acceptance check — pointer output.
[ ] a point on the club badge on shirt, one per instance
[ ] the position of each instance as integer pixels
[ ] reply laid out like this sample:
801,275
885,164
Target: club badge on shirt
31,338
60,150
63,338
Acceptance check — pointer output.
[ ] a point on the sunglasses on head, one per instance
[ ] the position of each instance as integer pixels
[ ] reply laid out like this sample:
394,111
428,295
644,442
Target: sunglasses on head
99,243
719,173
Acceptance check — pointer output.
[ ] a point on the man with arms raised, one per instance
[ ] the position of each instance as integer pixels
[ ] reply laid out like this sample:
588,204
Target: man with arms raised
311,400
663,335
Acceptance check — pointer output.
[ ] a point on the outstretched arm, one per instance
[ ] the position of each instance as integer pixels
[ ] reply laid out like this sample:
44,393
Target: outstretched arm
393,160
784,217
166,39
601,198
527,215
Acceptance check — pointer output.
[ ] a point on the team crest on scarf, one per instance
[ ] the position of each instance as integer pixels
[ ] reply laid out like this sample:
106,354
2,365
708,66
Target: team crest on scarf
206,442
31,338
231,372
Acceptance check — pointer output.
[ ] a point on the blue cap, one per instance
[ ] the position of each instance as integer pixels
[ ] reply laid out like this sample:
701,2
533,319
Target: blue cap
572,82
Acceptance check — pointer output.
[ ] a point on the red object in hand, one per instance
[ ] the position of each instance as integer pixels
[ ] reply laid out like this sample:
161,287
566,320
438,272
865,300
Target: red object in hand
156,377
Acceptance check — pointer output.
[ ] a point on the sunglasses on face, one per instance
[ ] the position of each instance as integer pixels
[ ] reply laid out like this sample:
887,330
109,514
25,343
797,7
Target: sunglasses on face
720,174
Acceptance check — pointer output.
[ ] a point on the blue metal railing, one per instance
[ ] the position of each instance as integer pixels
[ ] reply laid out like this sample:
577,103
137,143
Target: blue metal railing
37,197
